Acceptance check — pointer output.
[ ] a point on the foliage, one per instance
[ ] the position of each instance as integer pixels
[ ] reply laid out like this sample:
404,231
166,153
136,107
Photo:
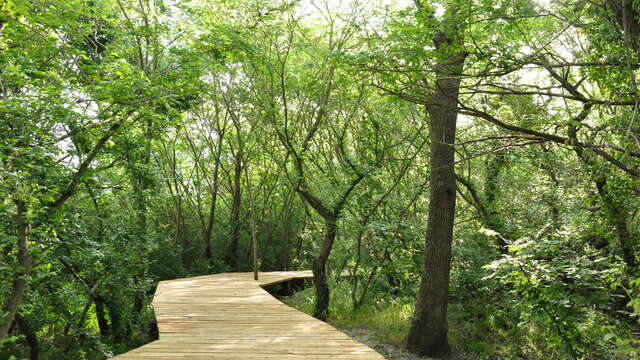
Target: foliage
142,141
562,290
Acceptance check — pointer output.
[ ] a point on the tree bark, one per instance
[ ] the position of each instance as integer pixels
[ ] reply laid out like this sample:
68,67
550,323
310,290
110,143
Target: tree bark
214,200
618,218
136,310
487,213
428,333
321,310
26,262
234,239
103,325
254,238
494,219
10,307
254,224
31,337
116,328
287,228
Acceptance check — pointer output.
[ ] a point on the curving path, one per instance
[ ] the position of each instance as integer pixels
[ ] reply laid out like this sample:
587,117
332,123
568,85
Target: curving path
230,316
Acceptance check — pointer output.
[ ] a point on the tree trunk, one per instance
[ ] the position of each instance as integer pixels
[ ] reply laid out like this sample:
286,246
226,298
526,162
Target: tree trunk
20,279
625,15
254,240
186,240
138,180
254,225
428,333
208,232
141,210
320,270
116,323
212,210
214,196
553,201
486,216
235,215
138,303
100,315
494,220
287,226
31,337
618,218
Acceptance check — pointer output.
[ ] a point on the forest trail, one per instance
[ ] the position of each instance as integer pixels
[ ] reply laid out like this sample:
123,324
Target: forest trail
230,316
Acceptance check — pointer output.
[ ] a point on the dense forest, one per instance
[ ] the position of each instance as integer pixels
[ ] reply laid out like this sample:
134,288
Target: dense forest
462,176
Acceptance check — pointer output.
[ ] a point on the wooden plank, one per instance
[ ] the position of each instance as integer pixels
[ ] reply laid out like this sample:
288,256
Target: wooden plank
170,355
229,316
253,342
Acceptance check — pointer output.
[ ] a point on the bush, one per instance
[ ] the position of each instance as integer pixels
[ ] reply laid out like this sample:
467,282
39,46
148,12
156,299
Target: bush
561,292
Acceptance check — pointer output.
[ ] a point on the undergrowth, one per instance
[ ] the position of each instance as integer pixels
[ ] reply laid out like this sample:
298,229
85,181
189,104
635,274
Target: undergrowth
477,329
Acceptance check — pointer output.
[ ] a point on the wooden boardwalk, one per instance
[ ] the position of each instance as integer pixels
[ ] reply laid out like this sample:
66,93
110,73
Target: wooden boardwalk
230,316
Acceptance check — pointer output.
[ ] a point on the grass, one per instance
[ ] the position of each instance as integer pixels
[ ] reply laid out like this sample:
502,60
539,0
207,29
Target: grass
389,320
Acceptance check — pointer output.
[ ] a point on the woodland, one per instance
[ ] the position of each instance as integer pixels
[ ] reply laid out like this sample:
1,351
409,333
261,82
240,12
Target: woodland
462,176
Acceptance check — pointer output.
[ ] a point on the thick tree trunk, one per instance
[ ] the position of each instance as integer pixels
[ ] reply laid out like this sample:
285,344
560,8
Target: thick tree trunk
20,279
428,333
320,270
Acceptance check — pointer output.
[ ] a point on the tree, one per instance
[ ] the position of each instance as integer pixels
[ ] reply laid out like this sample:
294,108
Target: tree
152,140
322,113
111,94
428,334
